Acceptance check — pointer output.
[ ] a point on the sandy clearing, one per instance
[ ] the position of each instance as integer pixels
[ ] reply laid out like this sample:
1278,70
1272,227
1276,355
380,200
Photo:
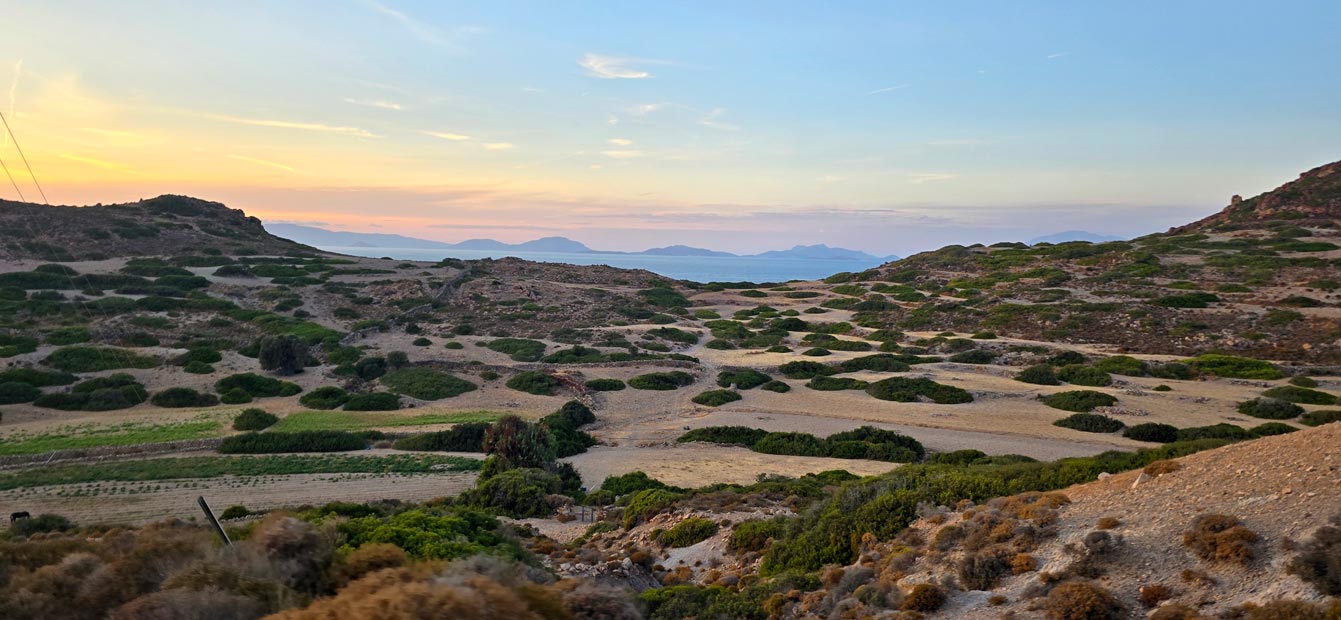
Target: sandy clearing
160,499
696,465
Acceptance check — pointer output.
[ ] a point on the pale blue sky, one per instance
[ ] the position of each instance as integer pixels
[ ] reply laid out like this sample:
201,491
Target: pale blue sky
883,126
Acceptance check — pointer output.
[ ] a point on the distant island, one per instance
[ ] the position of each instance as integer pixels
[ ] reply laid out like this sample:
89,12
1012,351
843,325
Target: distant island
320,237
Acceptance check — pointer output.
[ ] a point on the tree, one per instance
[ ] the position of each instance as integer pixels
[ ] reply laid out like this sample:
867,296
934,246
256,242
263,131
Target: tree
519,443
283,355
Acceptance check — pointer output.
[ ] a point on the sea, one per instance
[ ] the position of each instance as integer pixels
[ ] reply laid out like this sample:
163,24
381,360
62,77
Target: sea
694,268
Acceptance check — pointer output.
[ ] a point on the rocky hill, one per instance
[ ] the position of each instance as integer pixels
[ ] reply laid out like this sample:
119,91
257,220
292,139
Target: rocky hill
1314,197
166,225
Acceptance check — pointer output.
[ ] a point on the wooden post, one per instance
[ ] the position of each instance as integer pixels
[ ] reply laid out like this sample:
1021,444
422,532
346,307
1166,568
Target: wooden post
209,516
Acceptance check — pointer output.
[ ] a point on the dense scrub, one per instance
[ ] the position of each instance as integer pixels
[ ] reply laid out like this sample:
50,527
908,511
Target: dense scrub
426,383
866,442
302,441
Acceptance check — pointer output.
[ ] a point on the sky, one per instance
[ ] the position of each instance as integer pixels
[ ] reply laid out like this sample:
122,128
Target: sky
890,127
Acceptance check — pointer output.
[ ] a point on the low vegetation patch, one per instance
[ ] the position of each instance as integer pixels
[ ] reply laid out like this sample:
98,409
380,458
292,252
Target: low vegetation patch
906,390
1270,409
519,349
303,441
742,378
691,531
605,385
373,401
534,382
178,397
81,358
662,381
254,420
1301,395
1090,423
717,398
426,383
1082,401
325,397
866,442
1234,367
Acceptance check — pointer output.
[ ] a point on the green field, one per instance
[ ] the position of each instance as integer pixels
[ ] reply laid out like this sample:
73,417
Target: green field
96,436
358,421
215,466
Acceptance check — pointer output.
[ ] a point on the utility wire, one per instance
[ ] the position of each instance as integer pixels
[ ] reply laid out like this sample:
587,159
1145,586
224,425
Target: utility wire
11,181
24,157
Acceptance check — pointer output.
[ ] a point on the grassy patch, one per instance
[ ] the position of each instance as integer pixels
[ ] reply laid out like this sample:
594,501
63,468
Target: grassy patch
357,421
215,466
94,436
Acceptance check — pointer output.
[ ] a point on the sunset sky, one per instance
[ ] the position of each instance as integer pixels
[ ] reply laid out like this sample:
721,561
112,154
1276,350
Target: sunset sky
889,127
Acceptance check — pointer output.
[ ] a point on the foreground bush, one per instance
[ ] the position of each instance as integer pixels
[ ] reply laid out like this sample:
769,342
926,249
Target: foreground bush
303,441
1079,400
254,420
1319,559
691,531
1090,423
1220,538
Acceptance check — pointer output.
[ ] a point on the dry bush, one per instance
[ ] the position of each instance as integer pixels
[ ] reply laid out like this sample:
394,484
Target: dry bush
1154,594
997,600
1108,523
1081,600
407,592
1159,468
1192,575
1220,538
189,605
1319,560
1023,563
1290,610
300,553
924,597
981,571
1175,612
588,600
368,558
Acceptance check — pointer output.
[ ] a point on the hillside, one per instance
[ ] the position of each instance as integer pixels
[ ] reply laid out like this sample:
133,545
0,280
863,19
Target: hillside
1313,198
156,226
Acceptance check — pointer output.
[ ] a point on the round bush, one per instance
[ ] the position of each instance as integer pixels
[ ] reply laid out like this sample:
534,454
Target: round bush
776,386
325,397
373,401
1122,365
254,420
1270,409
1090,423
806,369
1318,418
235,396
1305,382
605,385
1079,400
1301,395
688,532
534,382
907,390
183,397
1271,428
796,444
1153,432
426,383
742,378
1041,374
13,392
816,352
717,398
663,381
197,367
1078,374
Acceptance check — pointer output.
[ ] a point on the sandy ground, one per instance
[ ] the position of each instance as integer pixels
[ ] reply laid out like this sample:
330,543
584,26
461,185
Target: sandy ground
696,465
137,503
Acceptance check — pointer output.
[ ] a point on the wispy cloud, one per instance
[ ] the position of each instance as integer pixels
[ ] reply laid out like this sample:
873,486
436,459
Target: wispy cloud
259,122
622,154
918,178
376,103
712,120
446,135
99,163
497,146
620,141
887,89
262,162
421,30
1055,55
613,67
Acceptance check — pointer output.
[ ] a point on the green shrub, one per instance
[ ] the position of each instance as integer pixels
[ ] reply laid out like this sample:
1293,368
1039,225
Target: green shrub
258,386
534,382
1122,365
1067,358
726,435
1041,374
805,369
1171,370
373,401
976,356
605,385
1189,300
1304,382
717,398
906,390
755,535
1078,374
1302,395
117,391
303,441
37,378
742,378
453,345
235,396
1318,418
1270,409
662,381
1271,428
325,397
631,482
14,392
520,349
879,445
466,437
68,335
254,420
426,383
285,354
1215,431
183,397
816,352
198,368
81,358
833,384
1079,400
1090,423
776,386
41,524
691,531
1234,367
234,512
647,503
795,444
1152,431
880,362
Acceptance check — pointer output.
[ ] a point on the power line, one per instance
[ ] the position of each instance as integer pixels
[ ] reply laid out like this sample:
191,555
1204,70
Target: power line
11,181
24,157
